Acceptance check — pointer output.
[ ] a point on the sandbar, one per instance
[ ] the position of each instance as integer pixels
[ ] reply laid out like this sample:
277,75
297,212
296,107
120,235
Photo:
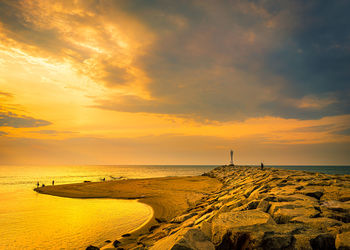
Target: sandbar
168,196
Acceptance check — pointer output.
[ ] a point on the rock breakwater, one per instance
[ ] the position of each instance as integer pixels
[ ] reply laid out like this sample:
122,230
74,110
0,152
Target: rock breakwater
261,209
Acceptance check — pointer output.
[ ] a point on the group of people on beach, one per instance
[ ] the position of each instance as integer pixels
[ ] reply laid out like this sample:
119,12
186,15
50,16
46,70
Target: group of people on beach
43,185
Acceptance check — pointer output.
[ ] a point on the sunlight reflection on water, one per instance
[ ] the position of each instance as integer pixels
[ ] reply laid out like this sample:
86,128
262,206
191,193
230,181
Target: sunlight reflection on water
29,220
48,222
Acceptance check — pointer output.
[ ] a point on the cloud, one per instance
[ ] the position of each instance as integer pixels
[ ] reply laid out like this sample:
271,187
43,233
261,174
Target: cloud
91,37
10,119
220,61
51,132
10,115
5,94
319,128
312,102
343,132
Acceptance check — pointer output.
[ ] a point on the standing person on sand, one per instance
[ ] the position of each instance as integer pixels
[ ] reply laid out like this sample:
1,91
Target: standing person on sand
53,182
262,166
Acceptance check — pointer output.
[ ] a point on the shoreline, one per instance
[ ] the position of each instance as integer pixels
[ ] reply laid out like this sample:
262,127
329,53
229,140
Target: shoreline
133,233
167,196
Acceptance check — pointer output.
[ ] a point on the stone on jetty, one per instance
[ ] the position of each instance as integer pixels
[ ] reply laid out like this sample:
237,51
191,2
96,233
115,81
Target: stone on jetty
262,209
116,243
323,241
182,218
229,222
188,238
342,241
92,248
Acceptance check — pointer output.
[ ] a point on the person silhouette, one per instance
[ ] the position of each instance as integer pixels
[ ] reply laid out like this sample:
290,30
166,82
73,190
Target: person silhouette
37,184
262,166
53,182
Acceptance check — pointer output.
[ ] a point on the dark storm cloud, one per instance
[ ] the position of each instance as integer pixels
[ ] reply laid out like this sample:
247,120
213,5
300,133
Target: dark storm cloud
316,56
343,132
318,52
233,60
320,128
10,119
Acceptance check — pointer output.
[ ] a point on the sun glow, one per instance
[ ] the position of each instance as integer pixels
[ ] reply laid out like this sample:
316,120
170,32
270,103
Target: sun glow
71,71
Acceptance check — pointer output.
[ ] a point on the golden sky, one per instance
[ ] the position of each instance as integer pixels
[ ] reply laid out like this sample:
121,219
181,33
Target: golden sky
171,82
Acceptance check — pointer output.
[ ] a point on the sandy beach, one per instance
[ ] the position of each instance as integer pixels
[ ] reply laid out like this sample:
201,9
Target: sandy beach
168,196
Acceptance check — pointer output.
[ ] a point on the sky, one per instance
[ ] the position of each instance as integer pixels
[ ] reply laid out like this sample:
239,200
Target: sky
174,82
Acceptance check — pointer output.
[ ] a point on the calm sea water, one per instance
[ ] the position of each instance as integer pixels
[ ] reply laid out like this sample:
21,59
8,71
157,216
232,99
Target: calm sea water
29,220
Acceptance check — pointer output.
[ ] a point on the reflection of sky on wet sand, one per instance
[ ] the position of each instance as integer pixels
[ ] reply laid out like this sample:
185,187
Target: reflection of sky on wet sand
30,220
47,222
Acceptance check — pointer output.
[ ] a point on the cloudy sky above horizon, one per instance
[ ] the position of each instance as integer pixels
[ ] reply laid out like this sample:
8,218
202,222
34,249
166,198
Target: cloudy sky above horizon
174,82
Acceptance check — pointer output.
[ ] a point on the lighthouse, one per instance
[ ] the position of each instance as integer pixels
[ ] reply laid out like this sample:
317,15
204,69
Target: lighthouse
231,161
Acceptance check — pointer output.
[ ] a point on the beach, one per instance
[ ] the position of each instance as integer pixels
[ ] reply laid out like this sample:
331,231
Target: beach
168,196
233,207
46,221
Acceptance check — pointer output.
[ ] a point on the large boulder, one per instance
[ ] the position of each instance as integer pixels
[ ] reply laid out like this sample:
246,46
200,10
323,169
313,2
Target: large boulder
317,223
296,197
337,206
290,205
336,193
284,215
263,205
276,242
116,243
283,212
185,239
91,247
182,218
342,241
336,210
232,221
312,191
323,242
238,240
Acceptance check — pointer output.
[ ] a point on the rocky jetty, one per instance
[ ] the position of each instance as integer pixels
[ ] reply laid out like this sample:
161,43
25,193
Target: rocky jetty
261,209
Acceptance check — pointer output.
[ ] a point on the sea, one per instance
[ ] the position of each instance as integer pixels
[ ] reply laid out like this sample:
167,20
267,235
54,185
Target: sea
29,220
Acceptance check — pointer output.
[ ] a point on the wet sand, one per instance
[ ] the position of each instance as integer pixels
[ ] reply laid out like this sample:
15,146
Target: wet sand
168,196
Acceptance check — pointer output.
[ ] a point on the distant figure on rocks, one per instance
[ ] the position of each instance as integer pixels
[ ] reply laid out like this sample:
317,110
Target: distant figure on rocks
53,182
262,166
37,184
42,185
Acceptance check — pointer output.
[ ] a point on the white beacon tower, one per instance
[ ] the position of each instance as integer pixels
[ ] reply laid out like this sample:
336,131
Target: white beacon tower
231,161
